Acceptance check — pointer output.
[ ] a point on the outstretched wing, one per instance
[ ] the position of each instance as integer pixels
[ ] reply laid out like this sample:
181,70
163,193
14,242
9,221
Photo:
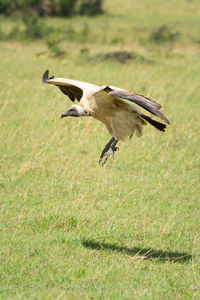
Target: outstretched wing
67,86
146,103
72,88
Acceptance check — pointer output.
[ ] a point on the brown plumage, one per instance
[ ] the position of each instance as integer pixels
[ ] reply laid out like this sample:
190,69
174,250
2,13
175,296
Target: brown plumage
108,104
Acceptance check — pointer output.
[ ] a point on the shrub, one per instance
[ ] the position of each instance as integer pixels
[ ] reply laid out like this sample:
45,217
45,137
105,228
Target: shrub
34,28
64,8
53,47
163,34
91,7
52,7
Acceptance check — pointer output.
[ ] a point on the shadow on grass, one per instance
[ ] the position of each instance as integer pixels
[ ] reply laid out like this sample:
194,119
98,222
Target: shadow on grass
141,253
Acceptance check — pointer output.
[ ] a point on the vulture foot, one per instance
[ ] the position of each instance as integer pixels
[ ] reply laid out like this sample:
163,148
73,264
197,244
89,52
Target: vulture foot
109,149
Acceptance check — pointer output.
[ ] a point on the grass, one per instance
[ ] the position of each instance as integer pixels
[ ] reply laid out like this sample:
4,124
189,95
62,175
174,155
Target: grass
74,230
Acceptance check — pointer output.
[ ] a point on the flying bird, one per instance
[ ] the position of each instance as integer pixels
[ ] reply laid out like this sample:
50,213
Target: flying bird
108,104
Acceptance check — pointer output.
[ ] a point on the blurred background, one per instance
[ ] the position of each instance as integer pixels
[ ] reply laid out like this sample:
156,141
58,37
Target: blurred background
120,25
133,232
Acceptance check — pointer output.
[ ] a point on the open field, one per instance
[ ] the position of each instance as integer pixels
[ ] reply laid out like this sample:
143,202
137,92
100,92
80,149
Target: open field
71,229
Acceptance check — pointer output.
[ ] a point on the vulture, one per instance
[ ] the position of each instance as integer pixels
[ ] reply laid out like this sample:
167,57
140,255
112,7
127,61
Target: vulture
112,106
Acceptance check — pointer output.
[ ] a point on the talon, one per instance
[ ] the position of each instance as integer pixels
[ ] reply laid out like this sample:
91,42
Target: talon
109,149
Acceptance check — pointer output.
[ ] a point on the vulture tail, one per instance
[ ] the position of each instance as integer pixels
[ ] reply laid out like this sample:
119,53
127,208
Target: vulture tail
156,124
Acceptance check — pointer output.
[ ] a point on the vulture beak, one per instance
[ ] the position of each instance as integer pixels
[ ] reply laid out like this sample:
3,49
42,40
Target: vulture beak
64,114
74,111
70,113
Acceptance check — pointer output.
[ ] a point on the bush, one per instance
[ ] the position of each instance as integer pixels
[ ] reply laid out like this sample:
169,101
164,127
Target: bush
64,8
53,47
52,7
5,6
33,28
90,7
163,34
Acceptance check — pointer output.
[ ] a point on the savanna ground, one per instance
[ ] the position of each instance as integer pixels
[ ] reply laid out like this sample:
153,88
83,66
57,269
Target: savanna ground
71,229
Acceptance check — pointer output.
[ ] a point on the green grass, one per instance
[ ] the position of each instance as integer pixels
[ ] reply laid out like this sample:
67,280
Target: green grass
70,228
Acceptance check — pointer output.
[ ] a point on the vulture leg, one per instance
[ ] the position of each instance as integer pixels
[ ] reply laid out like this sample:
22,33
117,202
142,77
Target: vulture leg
108,150
107,147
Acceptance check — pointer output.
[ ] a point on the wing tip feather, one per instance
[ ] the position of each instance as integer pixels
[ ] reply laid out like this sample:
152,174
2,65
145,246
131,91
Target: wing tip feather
45,76
163,118
153,107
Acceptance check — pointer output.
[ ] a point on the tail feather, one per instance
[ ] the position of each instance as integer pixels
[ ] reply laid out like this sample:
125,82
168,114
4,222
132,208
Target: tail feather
158,125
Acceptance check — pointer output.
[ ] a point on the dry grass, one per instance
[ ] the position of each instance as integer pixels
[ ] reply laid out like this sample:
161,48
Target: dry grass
74,230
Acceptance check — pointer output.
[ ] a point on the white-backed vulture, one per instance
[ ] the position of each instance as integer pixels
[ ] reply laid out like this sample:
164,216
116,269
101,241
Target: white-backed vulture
108,104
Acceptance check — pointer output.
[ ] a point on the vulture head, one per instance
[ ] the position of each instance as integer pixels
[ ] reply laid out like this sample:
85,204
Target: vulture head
75,111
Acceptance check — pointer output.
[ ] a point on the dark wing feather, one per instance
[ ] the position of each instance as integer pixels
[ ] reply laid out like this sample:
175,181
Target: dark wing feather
66,90
146,103
158,125
72,91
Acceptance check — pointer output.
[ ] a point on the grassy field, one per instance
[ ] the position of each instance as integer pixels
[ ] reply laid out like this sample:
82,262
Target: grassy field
71,229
